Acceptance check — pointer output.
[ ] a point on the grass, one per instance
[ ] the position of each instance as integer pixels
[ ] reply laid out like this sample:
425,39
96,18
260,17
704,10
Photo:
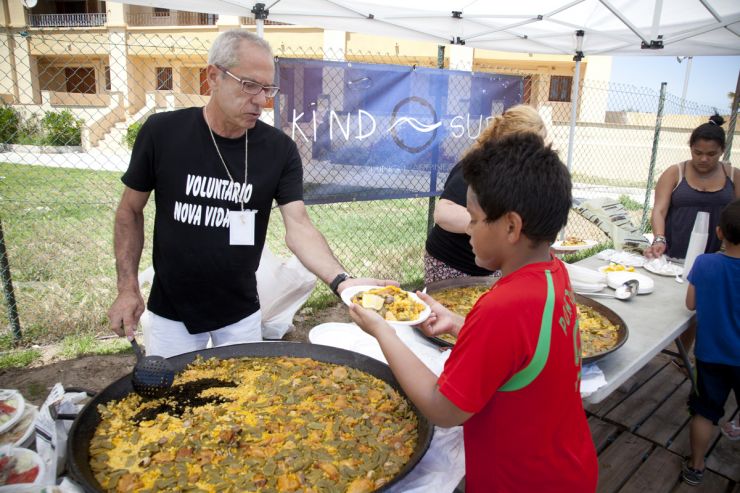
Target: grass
629,203
58,233
86,344
19,358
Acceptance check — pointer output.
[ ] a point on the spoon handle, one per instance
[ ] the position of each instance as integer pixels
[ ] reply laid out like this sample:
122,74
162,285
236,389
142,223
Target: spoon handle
596,295
137,349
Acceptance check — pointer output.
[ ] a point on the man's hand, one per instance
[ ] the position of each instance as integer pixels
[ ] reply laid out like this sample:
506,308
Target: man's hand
369,320
365,281
125,312
441,320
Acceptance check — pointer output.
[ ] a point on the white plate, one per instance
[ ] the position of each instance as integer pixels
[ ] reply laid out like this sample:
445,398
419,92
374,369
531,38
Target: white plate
585,287
349,293
668,269
15,399
558,245
22,434
26,459
616,279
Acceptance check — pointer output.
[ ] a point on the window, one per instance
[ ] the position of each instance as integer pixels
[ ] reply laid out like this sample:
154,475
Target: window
205,89
107,78
560,88
164,78
161,12
80,79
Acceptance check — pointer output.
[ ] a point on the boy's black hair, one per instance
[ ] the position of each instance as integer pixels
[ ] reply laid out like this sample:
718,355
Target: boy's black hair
712,130
521,174
729,222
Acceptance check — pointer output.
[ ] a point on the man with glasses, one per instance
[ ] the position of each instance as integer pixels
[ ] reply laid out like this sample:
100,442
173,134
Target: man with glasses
215,172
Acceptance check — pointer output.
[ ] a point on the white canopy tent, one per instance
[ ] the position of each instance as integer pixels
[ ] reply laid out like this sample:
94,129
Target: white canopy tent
564,27
611,27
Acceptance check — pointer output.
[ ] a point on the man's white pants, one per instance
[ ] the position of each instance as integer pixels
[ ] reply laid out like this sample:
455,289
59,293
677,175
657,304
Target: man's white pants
165,337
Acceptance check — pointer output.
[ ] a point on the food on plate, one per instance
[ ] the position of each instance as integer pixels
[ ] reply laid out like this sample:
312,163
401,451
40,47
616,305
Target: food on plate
257,424
18,468
598,334
8,408
573,241
614,267
393,303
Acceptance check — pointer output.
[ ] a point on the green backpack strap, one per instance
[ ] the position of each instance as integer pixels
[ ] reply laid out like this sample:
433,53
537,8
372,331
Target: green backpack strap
526,375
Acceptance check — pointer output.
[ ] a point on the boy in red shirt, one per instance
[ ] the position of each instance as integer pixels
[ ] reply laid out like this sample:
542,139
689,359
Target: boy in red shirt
512,380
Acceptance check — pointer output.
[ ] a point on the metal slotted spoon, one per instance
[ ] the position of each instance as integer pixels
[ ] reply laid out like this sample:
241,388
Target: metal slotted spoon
152,376
623,292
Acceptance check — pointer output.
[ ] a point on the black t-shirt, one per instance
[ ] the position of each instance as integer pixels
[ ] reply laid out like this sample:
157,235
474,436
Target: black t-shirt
200,279
454,248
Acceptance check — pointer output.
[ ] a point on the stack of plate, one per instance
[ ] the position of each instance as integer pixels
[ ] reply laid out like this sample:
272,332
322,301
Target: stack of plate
584,280
17,426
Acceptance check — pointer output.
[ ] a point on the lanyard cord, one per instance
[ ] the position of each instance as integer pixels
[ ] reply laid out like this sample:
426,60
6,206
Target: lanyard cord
246,155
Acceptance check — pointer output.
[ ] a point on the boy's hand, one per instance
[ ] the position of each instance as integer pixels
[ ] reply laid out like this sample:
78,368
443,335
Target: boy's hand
441,320
369,320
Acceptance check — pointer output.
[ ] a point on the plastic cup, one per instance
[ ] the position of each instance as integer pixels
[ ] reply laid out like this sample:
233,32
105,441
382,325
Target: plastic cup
701,223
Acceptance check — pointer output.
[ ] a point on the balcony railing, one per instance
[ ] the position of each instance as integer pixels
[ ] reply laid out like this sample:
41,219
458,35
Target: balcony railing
67,20
249,21
171,18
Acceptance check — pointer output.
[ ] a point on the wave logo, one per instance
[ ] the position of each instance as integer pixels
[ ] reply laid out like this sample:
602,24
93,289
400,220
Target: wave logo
416,124
406,140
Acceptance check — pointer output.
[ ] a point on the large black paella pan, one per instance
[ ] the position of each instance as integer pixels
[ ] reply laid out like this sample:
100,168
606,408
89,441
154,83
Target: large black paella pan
84,426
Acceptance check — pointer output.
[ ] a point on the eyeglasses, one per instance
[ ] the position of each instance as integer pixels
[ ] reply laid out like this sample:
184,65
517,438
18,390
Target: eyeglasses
250,86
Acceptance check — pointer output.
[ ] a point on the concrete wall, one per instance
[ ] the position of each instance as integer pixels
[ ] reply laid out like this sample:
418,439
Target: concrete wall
624,152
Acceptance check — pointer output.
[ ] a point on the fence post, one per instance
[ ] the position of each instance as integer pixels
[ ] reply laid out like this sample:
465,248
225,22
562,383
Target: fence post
15,323
653,157
733,119
433,174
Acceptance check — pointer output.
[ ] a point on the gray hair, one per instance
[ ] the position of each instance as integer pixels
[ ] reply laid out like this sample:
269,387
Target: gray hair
224,50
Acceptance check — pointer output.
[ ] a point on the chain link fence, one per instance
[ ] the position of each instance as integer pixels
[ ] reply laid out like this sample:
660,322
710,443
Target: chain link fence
73,100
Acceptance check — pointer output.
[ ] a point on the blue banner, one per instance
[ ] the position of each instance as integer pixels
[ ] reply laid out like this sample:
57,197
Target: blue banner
384,131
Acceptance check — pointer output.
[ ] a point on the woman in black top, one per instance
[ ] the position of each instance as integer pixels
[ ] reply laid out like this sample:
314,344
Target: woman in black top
448,251
702,184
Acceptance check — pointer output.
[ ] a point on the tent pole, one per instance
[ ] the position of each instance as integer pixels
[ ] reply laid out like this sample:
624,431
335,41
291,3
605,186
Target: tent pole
573,112
733,120
575,89
574,96
260,14
433,175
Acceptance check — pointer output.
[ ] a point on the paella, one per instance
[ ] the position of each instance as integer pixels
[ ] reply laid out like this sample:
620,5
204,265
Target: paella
598,333
257,424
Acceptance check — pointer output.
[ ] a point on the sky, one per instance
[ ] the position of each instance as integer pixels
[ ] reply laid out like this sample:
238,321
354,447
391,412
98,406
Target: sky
710,77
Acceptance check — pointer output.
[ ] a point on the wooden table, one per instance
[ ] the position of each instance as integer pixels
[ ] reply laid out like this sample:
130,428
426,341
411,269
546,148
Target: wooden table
654,321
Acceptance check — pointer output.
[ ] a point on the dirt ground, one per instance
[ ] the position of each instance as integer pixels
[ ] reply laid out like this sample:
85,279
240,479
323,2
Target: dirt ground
96,372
